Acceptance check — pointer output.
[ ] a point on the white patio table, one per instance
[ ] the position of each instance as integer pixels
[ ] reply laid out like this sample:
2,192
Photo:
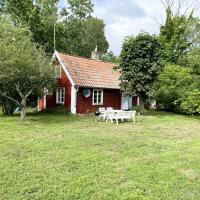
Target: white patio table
120,115
110,113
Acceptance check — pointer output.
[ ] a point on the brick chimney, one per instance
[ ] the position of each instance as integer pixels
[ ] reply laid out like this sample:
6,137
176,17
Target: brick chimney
95,54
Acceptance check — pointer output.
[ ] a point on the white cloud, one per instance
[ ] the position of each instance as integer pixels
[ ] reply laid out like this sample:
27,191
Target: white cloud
128,17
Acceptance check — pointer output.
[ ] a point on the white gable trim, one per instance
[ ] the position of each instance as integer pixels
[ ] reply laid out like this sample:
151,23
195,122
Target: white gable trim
56,55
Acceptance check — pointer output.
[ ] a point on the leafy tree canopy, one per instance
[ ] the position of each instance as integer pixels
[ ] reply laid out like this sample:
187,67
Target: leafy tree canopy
76,31
179,34
140,64
80,9
24,68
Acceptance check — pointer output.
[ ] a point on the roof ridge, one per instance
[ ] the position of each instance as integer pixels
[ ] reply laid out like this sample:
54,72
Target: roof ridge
102,61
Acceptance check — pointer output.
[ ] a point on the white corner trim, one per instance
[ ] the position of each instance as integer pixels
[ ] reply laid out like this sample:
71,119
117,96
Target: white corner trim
56,54
73,99
138,101
38,106
45,101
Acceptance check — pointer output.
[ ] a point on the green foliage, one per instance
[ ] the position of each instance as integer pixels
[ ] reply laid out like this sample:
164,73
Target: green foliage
7,105
191,102
194,61
110,57
173,37
178,36
2,4
58,110
76,31
39,16
24,68
80,9
140,109
140,64
94,35
84,35
171,86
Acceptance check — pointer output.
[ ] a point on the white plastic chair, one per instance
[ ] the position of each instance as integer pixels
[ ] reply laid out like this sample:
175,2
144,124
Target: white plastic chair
102,113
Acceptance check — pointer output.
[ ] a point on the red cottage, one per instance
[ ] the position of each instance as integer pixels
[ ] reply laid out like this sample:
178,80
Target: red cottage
84,85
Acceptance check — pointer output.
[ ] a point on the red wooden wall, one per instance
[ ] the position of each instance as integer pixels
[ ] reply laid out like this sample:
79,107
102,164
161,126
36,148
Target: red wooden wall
111,98
61,82
134,101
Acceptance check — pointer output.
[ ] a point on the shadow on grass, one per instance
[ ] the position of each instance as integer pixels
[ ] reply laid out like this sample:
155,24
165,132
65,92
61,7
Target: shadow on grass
161,114
44,118
47,118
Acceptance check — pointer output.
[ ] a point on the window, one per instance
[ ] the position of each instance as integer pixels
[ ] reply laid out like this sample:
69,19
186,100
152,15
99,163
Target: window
58,71
60,95
97,97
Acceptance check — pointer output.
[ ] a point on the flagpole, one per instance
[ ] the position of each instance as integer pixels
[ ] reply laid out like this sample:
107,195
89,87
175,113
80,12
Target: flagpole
54,37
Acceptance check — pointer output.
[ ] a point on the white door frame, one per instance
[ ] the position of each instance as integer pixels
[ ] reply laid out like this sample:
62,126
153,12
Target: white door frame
130,104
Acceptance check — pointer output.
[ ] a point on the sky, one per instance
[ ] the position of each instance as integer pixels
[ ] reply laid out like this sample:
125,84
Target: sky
127,17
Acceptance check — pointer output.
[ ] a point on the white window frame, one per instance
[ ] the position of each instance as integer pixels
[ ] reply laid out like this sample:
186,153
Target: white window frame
97,90
58,75
58,99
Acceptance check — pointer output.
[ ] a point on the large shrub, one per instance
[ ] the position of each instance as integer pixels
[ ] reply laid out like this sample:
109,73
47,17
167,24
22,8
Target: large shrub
172,86
191,102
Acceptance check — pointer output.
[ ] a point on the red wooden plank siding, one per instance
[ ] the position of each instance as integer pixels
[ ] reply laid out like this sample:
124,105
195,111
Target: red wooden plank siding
111,98
134,101
61,82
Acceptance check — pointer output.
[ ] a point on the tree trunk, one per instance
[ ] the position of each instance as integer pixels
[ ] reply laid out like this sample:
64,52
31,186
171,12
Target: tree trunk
23,114
23,110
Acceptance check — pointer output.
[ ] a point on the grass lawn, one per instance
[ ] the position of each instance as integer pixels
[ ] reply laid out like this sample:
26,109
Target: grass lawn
66,157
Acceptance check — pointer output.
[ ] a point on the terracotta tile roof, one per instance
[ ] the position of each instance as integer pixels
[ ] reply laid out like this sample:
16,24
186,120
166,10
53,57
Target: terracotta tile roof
90,73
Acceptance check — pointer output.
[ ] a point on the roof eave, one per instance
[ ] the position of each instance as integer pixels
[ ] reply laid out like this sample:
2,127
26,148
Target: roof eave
63,65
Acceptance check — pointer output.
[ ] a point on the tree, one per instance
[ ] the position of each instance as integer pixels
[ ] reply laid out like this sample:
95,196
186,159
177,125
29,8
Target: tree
48,17
39,16
80,9
82,36
179,33
83,32
24,68
94,36
140,64
76,31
